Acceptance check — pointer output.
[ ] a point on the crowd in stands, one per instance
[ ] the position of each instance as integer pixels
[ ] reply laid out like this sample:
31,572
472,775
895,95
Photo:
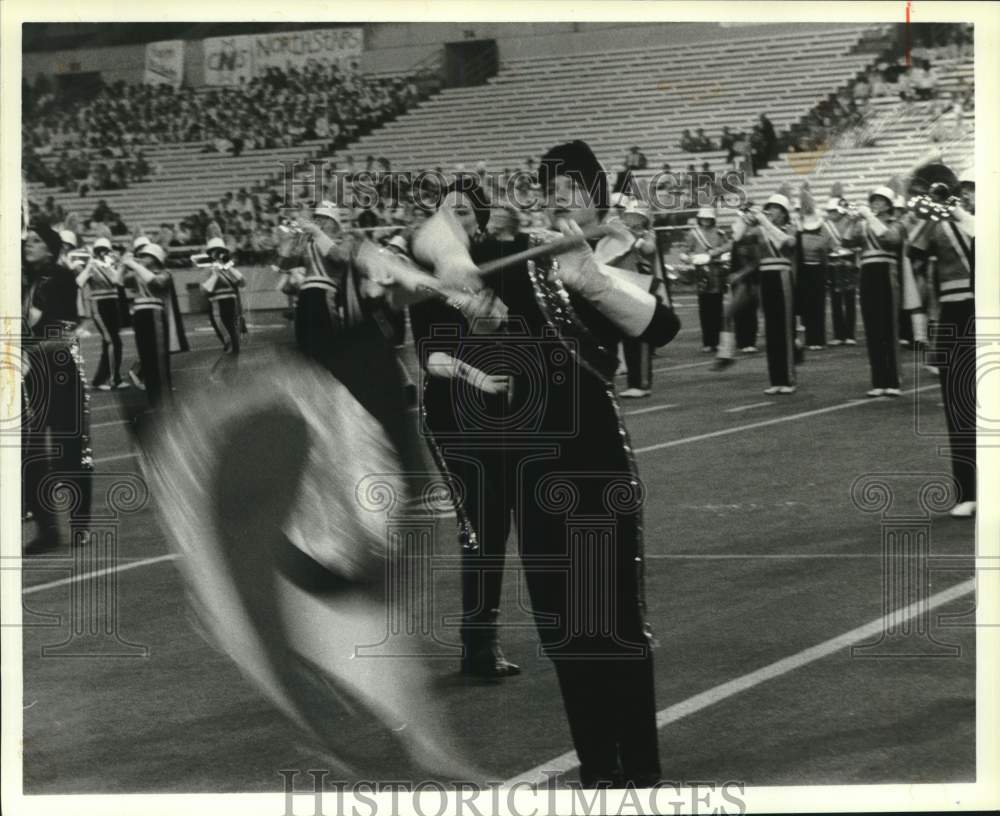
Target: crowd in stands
96,141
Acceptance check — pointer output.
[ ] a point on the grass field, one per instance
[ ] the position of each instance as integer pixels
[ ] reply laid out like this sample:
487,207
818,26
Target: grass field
762,572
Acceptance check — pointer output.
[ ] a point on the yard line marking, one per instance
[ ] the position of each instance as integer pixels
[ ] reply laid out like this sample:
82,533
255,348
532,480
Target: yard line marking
117,458
97,573
739,408
541,774
652,408
765,422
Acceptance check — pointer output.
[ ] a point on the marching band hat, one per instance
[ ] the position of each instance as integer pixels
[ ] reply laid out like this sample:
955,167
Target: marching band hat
638,208
216,243
139,242
102,243
576,160
886,193
781,201
967,176
834,205
68,237
399,242
327,209
153,251
707,212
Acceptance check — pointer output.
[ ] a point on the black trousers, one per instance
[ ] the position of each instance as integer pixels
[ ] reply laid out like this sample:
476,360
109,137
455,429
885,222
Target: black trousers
880,313
639,362
710,316
107,316
745,319
55,432
225,319
152,342
777,299
842,307
955,347
584,578
812,287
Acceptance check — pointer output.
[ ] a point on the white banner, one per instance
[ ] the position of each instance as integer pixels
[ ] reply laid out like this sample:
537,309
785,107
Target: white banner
229,59
164,63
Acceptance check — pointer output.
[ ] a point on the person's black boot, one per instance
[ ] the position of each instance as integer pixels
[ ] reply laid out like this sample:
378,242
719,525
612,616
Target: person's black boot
482,656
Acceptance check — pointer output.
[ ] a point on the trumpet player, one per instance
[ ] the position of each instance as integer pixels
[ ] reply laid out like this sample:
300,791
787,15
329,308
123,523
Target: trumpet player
101,280
843,275
703,249
813,247
880,238
771,231
225,306
951,241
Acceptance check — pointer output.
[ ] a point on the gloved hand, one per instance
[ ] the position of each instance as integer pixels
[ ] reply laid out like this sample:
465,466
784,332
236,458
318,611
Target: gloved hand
578,268
484,310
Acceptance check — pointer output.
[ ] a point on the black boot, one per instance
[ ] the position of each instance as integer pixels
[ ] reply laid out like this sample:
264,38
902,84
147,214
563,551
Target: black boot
482,655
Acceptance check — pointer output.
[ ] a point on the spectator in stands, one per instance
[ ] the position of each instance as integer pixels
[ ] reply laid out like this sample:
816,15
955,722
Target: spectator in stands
924,80
770,138
688,143
636,159
702,142
726,142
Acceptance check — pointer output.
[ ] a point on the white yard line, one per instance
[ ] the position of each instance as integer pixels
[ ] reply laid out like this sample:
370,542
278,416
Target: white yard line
541,774
739,408
95,574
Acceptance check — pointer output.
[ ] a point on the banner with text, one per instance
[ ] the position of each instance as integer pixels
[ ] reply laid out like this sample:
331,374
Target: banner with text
228,60
164,63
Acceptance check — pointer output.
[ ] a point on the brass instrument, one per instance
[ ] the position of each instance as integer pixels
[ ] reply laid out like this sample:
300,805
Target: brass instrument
204,261
930,208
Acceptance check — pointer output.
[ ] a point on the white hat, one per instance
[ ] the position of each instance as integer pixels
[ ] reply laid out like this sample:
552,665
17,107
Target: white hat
637,208
886,192
706,212
154,251
399,242
141,241
781,201
968,176
811,221
216,243
67,237
101,243
833,205
899,202
327,209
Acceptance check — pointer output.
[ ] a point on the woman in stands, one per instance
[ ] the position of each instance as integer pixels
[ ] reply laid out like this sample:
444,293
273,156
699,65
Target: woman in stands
880,238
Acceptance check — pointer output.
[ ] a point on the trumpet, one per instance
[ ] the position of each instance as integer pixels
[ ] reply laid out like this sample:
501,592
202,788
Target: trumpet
929,208
204,261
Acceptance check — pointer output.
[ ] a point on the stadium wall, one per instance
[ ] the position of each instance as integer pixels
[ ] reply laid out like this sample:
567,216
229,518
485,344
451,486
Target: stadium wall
397,47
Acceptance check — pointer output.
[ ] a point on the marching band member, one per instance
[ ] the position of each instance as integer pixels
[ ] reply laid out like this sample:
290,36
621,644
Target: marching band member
771,231
879,236
466,400
843,275
225,306
54,388
156,319
813,246
578,457
633,247
704,247
101,280
952,242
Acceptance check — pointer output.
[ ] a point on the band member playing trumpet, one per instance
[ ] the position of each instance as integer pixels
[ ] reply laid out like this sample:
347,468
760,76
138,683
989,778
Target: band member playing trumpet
770,230
577,460
101,280
156,319
951,241
56,416
225,307
813,247
843,275
879,237
703,250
